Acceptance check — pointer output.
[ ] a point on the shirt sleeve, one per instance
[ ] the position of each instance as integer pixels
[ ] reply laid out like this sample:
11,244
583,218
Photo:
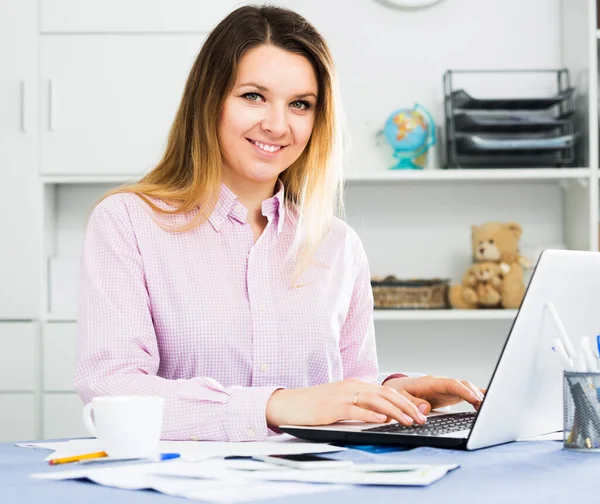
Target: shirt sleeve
357,338
117,349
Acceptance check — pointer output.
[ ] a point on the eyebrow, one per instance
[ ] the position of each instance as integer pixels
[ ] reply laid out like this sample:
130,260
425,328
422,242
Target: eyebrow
266,90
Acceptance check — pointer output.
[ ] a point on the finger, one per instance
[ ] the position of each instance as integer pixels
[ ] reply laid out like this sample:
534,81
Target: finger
404,403
364,415
459,389
393,405
473,389
422,405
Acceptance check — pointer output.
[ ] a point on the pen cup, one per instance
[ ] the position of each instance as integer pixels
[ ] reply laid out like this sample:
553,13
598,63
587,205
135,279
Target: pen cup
581,393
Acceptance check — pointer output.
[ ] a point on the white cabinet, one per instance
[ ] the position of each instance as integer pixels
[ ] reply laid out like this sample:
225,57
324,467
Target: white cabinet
59,356
63,416
19,356
109,101
19,230
18,418
133,16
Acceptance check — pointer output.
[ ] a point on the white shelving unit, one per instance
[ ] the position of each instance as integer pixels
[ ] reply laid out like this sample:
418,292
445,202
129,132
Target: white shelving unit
90,94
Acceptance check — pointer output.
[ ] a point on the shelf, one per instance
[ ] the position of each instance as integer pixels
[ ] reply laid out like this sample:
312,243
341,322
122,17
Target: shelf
417,315
89,179
425,315
53,317
482,174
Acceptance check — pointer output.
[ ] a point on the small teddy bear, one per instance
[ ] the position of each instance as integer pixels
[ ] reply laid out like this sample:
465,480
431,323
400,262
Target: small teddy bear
482,284
498,243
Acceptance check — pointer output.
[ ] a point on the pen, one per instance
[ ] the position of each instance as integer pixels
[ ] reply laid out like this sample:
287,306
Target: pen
588,355
559,350
77,458
598,346
157,458
568,346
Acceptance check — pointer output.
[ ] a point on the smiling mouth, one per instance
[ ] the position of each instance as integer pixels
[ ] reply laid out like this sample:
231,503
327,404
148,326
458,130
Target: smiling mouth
272,148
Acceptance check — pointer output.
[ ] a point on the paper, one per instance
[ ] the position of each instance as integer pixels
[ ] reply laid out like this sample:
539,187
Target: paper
227,488
194,451
359,474
552,436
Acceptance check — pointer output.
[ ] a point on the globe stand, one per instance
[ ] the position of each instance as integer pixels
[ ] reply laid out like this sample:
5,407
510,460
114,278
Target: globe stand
409,160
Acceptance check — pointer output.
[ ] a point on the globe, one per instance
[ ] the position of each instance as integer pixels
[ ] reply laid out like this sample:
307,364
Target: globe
410,132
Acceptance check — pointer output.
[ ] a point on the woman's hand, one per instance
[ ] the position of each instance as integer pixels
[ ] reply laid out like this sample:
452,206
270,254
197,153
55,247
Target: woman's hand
343,400
436,391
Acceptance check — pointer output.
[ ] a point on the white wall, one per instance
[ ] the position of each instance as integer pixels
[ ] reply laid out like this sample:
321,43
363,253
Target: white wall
390,58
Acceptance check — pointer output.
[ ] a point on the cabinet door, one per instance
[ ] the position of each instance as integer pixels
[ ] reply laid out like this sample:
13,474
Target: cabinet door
63,417
97,16
17,421
18,358
18,153
109,101
59,356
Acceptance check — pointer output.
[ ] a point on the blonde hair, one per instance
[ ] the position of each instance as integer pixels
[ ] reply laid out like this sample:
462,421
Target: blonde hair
189,172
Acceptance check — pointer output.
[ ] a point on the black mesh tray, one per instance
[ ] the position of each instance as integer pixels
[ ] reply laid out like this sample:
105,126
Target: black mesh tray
507,122
463,100
531,159
505,142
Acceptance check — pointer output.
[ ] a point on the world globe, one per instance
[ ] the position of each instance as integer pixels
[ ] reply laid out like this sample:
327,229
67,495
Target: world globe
410,132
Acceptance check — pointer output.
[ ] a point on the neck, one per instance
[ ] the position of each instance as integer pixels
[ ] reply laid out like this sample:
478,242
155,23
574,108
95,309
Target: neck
251,194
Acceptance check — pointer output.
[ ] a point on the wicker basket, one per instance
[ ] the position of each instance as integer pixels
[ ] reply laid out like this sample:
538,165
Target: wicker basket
392,293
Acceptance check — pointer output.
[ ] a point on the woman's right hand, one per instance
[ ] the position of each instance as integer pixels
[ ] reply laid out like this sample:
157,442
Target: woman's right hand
348,399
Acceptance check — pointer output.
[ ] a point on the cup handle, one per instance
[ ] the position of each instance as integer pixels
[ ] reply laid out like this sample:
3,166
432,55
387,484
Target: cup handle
87,419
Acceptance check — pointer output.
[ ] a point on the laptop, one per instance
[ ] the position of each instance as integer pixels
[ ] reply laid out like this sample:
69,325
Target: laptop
524,396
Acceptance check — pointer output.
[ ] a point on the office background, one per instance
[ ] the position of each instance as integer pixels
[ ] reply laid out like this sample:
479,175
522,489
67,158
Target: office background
88,89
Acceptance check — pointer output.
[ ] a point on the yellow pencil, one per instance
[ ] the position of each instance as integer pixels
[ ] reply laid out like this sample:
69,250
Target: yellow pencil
77,458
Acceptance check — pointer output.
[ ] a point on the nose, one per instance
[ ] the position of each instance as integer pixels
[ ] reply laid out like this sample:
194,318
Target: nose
275,121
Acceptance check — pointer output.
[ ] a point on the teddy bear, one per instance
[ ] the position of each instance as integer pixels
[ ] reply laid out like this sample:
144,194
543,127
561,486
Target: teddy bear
497,243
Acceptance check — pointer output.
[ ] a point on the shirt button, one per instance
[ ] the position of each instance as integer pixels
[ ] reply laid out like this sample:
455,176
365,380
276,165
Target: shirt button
264,368
261,307
251,433
237,209
194,438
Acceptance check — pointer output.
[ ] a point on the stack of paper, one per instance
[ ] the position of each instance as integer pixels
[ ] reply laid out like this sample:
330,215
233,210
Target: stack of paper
223,480
194,451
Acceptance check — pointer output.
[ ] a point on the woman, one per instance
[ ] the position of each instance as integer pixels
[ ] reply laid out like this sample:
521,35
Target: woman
222,281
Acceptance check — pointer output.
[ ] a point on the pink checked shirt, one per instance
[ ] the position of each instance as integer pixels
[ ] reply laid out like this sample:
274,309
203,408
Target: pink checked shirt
209,320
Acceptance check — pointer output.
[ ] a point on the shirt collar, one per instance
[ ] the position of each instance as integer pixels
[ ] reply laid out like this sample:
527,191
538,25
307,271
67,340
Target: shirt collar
228,205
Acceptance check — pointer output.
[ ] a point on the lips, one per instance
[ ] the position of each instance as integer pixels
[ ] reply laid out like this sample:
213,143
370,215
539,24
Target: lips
268,148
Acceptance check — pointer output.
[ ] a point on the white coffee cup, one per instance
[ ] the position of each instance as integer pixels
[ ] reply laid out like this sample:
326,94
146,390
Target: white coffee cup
126,426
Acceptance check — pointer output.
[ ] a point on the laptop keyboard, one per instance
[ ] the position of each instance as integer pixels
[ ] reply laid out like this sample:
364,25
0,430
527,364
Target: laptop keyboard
436,425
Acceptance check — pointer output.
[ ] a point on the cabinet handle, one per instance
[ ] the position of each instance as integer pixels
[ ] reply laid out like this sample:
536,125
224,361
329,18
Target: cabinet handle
51,105
24,122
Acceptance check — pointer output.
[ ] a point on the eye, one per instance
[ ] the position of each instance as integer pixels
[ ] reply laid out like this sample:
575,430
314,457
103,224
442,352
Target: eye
491,242
301,105
253,97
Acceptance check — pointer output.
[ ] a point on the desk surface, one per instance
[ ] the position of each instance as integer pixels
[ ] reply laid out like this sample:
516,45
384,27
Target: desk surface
528,472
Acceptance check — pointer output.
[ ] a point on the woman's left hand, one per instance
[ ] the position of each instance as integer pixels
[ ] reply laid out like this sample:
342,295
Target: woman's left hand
430,392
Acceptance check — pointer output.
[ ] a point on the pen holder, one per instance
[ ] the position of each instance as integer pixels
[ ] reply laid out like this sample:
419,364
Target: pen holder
581,393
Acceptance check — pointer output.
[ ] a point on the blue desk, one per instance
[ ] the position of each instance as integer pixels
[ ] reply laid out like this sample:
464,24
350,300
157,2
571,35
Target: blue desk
538,472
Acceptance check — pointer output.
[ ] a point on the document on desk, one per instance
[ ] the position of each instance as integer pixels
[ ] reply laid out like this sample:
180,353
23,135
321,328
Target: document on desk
194,451
228,488
358,474
223,481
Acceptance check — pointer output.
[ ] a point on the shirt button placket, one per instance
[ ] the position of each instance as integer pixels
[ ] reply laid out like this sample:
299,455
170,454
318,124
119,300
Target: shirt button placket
258,292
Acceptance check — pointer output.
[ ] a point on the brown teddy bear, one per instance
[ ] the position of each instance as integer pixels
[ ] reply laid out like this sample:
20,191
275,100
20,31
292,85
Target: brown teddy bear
497,243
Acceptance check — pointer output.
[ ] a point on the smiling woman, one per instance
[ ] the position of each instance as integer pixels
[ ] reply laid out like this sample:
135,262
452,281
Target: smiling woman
222,280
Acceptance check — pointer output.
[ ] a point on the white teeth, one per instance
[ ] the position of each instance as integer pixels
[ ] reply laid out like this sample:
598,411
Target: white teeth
268,148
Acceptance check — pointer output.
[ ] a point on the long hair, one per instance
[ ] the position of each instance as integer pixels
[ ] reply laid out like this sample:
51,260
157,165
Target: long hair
189,172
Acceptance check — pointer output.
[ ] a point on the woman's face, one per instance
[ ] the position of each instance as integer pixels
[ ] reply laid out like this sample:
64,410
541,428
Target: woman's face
268,117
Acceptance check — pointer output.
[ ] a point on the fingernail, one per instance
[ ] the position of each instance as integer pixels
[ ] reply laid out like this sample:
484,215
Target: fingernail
423,408
423,418
379,417
408,419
